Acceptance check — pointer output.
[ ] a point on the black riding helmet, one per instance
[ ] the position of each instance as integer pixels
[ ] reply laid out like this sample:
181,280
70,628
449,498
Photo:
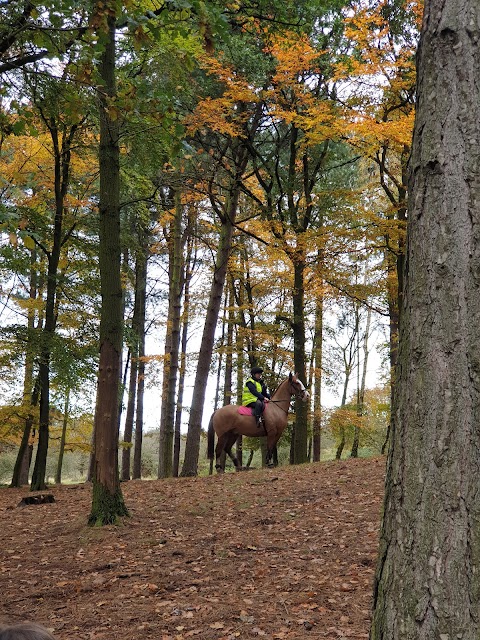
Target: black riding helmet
255,370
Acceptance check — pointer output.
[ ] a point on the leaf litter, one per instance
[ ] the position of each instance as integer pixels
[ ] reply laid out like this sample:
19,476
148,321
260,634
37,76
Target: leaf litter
277,554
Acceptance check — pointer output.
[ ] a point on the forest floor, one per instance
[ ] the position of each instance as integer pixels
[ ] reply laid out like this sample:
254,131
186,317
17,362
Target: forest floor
283,553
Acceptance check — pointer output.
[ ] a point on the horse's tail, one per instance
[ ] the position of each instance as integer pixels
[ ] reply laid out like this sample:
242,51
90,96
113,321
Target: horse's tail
210,439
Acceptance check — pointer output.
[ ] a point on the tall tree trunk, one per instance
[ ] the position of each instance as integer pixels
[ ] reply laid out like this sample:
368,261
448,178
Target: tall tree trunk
428,576
130,413
227,385
31,392
317,400
107,499
22,463
239,350
172,343
140,330
300,431
181,389
138,334
188,269
62,156
192,446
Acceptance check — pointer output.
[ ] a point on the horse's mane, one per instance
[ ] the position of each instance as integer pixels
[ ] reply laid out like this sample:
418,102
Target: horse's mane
281,384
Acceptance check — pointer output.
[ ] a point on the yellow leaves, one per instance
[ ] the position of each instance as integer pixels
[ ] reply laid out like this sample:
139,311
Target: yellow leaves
372,133
294,56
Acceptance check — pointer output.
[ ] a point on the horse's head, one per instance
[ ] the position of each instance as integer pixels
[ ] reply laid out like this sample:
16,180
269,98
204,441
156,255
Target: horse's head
298,388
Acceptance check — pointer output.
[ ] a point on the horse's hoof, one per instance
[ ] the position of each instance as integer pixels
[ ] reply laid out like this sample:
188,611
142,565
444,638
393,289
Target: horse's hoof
270,465
219,469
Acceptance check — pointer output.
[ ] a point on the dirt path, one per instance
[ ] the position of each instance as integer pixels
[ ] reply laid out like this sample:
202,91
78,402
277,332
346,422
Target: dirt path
278,554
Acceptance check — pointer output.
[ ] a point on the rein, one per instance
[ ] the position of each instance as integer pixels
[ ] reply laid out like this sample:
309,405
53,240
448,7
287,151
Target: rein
276,402
292,394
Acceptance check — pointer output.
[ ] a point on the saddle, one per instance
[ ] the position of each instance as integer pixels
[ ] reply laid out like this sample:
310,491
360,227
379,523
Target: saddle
245,411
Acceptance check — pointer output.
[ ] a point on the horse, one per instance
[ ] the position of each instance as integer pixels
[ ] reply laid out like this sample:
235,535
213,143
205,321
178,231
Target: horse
228,423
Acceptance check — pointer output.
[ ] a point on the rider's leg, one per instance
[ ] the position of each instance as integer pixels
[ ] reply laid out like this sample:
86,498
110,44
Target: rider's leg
258,411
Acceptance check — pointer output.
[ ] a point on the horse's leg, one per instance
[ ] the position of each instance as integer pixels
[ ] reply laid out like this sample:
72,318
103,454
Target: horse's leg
272,439
231,439
219,449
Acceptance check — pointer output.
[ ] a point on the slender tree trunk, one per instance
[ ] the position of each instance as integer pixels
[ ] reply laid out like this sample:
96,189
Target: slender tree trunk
427,583
63,437
300,432
192,447
22,463
31,390
141,294
62,156
317,400
137,453
130,414
341,445
189,268
181,389
361,385
107,499
167,423
239,350
227,385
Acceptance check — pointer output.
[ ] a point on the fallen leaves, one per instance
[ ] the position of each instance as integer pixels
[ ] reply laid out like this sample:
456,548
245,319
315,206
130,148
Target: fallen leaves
285,561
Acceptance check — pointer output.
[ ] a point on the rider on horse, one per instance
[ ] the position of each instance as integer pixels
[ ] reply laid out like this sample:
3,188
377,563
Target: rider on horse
255,393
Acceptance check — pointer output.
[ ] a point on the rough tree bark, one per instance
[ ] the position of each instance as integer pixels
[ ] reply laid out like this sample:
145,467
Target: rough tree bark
107,499
428,577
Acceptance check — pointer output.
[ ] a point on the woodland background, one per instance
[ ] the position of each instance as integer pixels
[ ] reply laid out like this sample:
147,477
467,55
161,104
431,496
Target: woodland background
262,172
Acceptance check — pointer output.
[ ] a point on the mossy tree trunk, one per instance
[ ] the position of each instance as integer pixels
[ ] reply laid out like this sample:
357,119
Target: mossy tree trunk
107,499
428,576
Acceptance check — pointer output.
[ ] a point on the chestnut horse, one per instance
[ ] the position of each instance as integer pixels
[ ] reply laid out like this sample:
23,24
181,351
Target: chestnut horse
228,423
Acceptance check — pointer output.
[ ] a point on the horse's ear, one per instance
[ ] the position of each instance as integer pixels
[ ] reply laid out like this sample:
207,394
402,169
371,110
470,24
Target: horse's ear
290,376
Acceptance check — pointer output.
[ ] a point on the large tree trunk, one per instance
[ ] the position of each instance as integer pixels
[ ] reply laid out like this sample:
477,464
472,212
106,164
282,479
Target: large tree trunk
428,577
107,499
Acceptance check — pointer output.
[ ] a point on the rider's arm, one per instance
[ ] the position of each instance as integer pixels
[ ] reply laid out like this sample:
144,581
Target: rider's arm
251,387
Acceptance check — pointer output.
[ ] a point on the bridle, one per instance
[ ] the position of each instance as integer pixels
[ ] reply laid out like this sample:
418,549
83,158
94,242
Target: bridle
298,394
294,392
